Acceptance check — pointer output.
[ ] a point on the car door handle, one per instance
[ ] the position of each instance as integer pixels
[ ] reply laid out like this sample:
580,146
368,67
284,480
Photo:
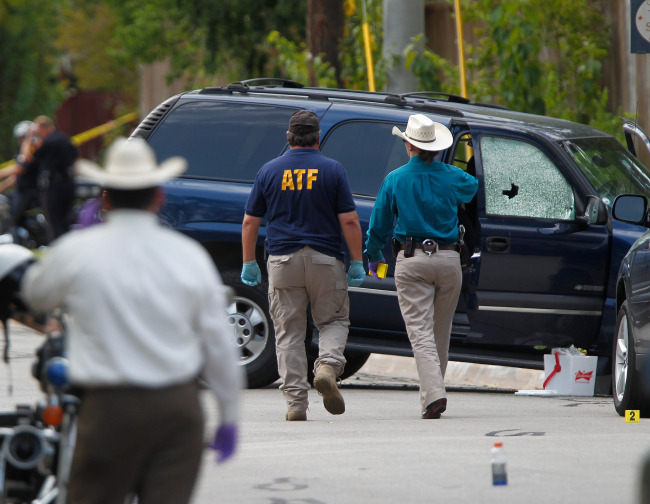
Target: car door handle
497,244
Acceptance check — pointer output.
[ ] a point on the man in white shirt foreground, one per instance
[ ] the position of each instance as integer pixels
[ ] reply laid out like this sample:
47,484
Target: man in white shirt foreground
147,316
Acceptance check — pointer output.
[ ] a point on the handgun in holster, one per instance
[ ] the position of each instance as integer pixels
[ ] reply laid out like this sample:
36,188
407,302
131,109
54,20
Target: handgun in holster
396,246
409,246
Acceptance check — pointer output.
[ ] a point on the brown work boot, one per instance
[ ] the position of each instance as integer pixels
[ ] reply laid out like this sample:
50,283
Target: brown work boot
293,416
325,383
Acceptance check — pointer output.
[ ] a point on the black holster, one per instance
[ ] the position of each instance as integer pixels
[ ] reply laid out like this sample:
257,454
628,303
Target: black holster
396,246
409,246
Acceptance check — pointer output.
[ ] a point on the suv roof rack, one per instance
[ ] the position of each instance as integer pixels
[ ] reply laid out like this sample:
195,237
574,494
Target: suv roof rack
423,100
285,83
433,94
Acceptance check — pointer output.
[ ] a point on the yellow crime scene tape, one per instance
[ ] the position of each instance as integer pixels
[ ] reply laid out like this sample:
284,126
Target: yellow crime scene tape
95,132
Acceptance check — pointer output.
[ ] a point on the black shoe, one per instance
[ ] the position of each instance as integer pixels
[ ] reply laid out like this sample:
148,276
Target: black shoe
435,409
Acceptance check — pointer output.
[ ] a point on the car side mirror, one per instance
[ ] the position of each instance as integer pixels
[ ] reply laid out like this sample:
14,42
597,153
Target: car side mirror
595,212
632,208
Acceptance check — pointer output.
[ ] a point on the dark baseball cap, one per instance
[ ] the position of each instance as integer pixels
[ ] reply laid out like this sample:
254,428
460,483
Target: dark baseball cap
304,122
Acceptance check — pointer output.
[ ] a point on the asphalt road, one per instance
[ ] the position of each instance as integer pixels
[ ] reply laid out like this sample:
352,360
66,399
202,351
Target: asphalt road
559,449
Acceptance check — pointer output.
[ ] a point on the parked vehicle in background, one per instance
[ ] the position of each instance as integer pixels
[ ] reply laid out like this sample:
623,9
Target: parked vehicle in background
544,249
631,348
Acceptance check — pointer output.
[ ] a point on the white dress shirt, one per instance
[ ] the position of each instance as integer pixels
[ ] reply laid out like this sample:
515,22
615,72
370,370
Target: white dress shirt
146,307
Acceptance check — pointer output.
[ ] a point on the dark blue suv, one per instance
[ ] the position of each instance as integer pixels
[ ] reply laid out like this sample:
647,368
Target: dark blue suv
544,249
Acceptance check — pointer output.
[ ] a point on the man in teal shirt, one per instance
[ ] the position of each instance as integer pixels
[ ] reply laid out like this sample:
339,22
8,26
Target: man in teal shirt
422,199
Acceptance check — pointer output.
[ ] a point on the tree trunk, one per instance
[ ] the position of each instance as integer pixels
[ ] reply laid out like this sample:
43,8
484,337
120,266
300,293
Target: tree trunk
324,32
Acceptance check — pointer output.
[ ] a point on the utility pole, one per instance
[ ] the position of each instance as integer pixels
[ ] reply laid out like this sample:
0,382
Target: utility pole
403,20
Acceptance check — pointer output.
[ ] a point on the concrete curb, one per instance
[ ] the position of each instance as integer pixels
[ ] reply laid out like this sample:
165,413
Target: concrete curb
459,373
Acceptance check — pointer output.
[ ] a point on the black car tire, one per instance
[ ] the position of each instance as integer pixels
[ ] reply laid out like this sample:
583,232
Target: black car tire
628,388
354,362
248,314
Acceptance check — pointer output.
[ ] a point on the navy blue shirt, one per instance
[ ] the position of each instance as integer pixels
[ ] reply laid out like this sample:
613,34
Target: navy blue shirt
301,193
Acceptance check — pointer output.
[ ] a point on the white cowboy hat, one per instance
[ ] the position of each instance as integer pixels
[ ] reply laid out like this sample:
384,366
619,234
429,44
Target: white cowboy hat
131,164
425,134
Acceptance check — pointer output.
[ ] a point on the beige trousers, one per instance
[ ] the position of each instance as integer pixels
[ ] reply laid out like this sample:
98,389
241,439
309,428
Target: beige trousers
427,289
295,280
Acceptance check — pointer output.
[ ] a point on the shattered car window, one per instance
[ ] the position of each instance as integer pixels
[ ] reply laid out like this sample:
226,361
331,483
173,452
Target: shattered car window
521,181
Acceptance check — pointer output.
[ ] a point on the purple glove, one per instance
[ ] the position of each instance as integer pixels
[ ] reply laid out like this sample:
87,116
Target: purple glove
90,213
224,442
372,267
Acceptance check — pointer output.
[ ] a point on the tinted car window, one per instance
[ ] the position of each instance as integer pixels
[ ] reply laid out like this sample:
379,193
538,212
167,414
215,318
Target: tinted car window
226,141
368,152
521,181
610,167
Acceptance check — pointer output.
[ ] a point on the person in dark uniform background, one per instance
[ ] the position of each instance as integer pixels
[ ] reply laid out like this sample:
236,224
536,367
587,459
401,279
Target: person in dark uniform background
52,165
308,203
23,181
422,199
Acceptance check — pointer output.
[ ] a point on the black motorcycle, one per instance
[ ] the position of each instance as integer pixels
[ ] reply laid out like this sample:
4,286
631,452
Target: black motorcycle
37,441
32,232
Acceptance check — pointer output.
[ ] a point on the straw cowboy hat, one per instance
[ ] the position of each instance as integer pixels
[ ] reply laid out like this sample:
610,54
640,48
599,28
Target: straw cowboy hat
131,164
425,134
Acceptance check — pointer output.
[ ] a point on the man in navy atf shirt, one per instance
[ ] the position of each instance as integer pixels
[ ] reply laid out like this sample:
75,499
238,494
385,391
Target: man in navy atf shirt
308,204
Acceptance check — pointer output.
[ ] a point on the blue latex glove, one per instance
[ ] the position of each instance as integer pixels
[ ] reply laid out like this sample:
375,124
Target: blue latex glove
372,267
225,441
356,273
251,274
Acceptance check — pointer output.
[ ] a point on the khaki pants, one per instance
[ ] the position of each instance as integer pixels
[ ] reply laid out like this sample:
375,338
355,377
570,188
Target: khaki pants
295,280
428,289
140,441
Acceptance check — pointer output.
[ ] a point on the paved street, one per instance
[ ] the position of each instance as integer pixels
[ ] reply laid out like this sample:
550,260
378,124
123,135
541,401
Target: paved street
559,450
564,450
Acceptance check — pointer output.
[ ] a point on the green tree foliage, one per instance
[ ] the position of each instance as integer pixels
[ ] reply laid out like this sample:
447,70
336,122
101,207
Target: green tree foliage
433,72
537,56
29,84
205,37
85,37
292,60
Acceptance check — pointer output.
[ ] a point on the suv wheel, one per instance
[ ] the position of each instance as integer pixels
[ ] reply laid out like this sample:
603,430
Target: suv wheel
354,361
627,385
249,317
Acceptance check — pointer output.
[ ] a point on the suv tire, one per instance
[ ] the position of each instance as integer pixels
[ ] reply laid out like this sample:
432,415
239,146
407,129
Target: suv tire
248,314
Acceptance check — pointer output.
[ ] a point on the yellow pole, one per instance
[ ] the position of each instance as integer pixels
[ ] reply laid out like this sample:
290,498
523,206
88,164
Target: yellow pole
366,44
461,51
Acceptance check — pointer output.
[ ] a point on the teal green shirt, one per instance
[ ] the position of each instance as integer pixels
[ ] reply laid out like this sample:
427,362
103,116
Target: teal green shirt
420,200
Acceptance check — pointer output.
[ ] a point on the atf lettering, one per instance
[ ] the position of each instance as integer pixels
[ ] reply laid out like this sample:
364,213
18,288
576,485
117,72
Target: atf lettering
299,174
311,177
288,180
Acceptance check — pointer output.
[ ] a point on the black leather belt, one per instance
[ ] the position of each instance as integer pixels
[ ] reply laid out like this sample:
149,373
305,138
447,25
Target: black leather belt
430,246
